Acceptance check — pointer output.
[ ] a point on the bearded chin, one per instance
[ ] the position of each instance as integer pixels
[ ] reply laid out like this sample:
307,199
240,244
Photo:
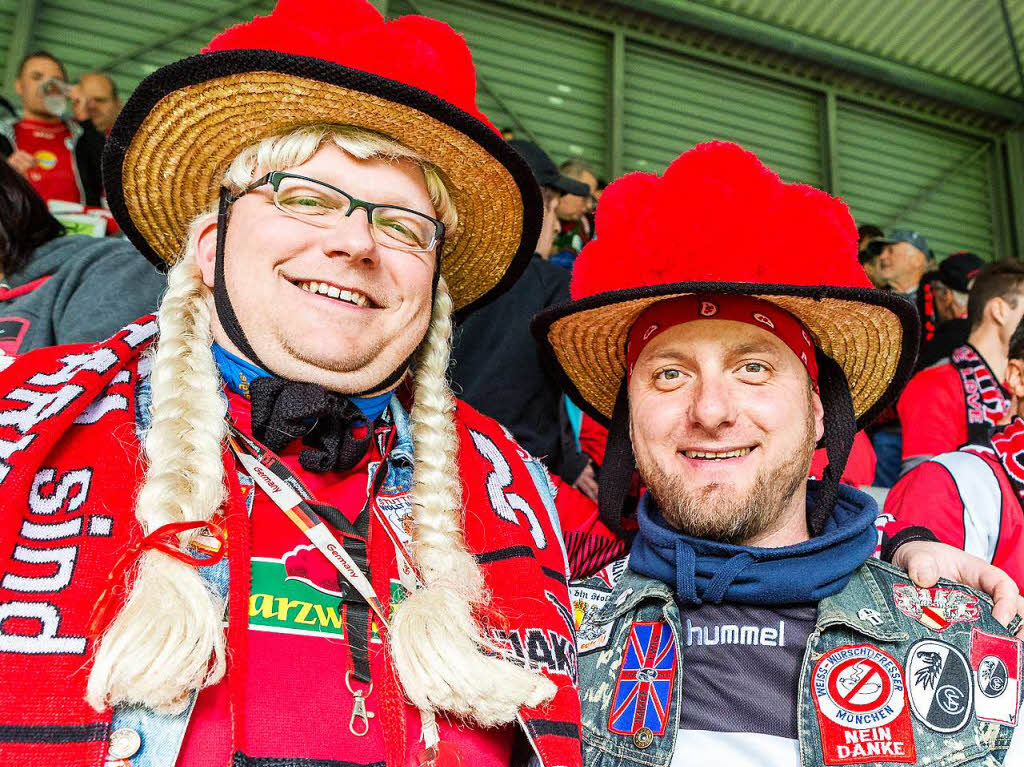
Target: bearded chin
719,512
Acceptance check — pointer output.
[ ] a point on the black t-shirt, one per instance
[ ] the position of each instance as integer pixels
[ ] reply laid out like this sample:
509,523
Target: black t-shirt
741,673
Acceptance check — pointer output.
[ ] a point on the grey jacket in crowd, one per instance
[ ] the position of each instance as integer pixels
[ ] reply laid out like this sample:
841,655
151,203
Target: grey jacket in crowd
82,289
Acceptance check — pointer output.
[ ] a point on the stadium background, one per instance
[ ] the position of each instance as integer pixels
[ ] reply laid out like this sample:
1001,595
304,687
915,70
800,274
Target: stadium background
912,111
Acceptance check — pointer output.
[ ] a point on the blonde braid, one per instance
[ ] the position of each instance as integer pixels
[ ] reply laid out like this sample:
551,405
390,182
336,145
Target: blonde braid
168,641
442,657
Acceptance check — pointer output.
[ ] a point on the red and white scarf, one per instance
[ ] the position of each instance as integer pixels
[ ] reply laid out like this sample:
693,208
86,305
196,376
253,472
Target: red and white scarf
70,466
987,401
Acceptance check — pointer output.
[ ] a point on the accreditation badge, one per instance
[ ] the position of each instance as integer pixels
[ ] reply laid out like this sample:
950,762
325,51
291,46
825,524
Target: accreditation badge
861,702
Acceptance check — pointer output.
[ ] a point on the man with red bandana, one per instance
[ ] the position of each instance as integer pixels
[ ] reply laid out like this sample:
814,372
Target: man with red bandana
750,624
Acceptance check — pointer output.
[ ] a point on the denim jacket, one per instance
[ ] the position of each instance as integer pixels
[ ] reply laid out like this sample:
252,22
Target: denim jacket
863,613
157,738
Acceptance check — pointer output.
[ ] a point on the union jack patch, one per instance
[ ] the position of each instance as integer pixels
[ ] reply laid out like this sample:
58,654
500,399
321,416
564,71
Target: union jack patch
643,691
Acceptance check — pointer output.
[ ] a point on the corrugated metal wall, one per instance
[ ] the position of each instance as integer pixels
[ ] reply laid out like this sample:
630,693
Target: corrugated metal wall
964,40
552,75
897,172
549,75
96,34
7,9
673,103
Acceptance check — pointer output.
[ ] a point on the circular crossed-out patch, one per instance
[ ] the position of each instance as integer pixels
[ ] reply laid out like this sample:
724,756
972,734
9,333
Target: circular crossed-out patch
859,687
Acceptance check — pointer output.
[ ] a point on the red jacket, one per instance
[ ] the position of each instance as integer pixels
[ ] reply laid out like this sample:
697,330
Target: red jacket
967,500
933,412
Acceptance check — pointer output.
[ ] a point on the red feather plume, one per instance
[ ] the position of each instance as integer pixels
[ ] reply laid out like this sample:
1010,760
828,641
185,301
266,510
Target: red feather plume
717,215
415,50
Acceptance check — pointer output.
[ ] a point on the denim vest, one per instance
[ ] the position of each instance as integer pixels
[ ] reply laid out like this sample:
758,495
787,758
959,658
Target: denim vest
142,737
616,598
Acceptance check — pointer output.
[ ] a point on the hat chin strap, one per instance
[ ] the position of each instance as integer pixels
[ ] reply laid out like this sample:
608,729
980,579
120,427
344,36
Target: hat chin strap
840,429
233,329
619,463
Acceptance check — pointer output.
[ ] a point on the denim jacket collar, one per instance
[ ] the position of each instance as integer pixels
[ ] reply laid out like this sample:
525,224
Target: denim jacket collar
632,589
401,452
862,597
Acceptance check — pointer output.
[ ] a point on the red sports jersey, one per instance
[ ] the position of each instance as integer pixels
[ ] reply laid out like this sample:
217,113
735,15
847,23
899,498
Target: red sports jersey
967,500
53,175
297,628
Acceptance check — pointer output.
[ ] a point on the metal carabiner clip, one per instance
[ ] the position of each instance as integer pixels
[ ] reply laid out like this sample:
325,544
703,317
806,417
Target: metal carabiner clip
359,723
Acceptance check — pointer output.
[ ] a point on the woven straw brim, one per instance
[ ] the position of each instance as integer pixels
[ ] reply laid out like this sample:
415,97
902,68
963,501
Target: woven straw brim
867,339
176,154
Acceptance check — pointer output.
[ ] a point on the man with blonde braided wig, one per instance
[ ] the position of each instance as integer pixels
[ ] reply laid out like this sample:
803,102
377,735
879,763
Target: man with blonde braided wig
279,452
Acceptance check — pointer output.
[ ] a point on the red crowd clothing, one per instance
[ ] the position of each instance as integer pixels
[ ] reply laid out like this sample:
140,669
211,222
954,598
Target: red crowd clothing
966,499
933,412
860,466
54,174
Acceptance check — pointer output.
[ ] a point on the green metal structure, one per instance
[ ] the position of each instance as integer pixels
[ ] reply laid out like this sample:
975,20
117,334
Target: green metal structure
912,111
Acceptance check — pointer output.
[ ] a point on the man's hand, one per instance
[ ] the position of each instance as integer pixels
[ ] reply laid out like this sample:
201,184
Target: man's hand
21,161
926,562
586,482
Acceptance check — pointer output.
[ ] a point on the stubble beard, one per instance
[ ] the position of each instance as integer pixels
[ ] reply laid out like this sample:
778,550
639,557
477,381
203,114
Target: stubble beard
716,512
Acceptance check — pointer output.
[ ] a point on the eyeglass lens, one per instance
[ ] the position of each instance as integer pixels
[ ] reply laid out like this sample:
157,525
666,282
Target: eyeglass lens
323,206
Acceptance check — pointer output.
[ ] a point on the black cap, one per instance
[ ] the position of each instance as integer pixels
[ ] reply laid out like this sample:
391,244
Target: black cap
956,271
546,171
898,235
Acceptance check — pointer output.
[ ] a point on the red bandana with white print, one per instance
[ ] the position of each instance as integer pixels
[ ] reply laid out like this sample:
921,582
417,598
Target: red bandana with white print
659,317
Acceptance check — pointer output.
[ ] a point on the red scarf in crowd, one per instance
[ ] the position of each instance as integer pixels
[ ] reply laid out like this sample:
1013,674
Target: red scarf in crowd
69,469
1008,442
987,401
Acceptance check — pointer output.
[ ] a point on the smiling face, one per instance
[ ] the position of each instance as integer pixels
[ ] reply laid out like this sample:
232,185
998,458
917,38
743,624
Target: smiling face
724,422
326,305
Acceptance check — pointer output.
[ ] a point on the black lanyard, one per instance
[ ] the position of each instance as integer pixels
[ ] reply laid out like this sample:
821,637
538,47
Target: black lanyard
316,519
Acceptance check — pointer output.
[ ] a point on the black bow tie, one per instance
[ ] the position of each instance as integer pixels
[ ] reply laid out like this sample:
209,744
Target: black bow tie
283,411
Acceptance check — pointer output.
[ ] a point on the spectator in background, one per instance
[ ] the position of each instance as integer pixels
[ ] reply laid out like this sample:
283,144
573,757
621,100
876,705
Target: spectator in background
574,230
901,261
971,498
99,100
947,289
62,290
895,263
867,233
957,400
497,364
59,157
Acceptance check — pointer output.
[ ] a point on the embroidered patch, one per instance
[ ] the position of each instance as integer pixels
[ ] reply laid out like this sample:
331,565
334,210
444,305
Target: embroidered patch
861,702
586,603
937,608
996,662
643,690
940,685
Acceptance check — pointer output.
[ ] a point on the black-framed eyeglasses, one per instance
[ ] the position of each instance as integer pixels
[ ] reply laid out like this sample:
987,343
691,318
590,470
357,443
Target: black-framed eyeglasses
320,204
